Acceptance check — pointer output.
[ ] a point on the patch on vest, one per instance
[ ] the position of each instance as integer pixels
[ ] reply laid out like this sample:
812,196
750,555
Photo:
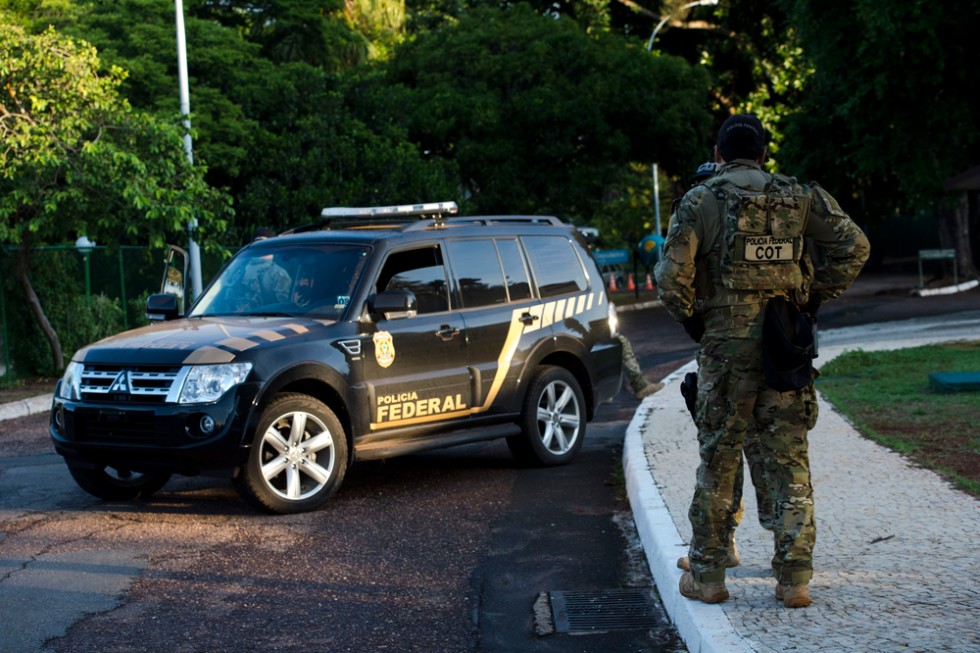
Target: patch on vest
763,249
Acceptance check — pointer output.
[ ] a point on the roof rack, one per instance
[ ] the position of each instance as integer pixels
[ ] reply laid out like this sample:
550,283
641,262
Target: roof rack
377,217
499,219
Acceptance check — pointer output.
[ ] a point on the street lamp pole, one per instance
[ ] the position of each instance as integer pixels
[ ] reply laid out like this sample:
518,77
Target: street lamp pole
85,246
185,110
656,178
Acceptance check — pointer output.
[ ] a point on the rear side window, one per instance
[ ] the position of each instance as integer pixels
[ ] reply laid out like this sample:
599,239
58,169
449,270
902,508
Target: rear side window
556,267
478,270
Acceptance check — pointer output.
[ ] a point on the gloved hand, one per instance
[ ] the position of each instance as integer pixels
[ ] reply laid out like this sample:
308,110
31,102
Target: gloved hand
694,326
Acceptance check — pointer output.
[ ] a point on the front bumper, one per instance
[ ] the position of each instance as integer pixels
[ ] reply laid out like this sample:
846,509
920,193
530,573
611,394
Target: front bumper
185,439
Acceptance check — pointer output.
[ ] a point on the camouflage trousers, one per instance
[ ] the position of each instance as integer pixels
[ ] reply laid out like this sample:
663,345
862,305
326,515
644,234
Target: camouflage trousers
734,406
757,474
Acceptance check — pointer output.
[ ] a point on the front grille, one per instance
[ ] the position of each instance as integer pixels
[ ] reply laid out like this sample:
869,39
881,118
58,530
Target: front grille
114,384
101,425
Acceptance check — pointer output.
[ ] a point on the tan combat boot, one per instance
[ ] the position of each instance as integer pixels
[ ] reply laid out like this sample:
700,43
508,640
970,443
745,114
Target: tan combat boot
704,592
793,596
734,559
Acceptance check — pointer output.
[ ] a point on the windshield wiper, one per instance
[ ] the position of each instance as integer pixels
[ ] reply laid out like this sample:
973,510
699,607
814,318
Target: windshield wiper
266,314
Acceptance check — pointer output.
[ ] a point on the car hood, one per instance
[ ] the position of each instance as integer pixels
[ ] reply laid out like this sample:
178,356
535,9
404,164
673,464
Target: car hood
199,340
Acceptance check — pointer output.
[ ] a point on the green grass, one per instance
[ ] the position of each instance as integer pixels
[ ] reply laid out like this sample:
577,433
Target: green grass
886,395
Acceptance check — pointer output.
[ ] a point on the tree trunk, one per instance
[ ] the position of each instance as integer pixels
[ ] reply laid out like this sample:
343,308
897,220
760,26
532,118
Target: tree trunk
23,276
954,233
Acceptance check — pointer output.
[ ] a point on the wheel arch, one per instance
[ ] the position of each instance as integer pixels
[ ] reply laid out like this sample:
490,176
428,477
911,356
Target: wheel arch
573,363
314,380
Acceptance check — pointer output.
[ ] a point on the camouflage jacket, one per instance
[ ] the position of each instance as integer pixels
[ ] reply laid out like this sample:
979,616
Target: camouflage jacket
691,271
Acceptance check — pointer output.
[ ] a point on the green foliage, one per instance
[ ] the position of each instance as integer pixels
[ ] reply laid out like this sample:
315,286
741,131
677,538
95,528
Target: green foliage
77,319
78,160
888,113
273,129
887,395
541,117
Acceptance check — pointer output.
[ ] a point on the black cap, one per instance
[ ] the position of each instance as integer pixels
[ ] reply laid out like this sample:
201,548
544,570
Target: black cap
741,136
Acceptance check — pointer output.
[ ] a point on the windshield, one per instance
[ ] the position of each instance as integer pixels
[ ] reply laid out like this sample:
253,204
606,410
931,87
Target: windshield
285,280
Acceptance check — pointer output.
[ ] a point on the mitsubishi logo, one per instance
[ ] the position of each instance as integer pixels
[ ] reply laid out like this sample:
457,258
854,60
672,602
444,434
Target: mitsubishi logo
120,383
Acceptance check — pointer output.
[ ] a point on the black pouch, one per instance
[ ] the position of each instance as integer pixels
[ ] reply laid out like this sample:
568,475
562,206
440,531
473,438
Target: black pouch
689,390
788,346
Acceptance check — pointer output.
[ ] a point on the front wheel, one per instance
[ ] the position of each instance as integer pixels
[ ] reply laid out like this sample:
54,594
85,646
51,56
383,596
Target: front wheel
298,457
552,420
116,483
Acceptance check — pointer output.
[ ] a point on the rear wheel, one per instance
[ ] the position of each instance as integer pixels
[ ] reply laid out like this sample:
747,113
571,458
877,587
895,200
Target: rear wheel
298,457
552,420
117,483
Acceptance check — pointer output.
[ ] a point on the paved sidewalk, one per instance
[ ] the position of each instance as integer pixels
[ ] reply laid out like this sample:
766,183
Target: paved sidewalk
897,558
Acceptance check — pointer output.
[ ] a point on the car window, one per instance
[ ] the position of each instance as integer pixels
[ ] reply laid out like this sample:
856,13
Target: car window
557,268
421,271
515,271
478,271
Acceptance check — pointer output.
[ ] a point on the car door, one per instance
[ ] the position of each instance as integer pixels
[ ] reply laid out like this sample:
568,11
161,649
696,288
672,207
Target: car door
415,367
503,320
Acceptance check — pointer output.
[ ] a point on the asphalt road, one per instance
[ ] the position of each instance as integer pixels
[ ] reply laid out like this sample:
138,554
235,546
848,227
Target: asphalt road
447,551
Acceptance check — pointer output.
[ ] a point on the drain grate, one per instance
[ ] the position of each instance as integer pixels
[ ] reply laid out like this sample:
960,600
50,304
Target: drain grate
594,612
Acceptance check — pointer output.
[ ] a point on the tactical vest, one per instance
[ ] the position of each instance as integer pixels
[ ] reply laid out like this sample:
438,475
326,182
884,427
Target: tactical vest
763,235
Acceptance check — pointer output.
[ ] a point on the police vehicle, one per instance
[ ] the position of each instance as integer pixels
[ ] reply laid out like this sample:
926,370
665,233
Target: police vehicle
373,333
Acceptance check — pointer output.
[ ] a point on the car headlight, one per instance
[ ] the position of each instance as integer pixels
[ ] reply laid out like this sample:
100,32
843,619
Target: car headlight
613,320
206,383
71,382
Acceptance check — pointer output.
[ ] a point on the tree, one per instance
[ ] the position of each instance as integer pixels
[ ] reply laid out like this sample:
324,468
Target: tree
889,112
541,117
77,159
275,133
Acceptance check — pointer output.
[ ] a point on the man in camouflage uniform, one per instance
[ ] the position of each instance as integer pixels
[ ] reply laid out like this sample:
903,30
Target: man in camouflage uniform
735,242
750,449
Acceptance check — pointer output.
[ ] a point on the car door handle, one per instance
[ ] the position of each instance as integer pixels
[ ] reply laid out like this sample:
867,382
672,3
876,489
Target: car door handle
527,318
447,332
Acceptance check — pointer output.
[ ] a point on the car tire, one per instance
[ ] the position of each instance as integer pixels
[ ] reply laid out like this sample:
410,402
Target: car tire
298,457
115,484
552,420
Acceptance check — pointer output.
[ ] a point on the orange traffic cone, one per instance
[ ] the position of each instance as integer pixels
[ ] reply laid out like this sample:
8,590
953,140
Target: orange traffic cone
612,282
630,284
649,284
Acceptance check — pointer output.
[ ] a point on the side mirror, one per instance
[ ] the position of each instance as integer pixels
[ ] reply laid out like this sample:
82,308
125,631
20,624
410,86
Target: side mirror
393,305
175,274
162,306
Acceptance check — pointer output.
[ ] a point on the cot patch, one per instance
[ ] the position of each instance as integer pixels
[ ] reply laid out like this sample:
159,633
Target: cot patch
768,248
384,348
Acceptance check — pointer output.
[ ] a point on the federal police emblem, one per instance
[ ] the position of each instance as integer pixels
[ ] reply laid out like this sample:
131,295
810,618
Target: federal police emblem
384,348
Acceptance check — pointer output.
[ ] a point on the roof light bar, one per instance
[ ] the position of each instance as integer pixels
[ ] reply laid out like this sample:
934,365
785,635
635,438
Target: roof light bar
404,210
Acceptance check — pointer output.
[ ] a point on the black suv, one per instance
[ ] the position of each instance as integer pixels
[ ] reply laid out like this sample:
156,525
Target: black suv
374,333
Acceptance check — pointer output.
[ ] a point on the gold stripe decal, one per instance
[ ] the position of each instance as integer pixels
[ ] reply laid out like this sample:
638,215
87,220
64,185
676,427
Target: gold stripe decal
209,355
547,313
268,336
237,344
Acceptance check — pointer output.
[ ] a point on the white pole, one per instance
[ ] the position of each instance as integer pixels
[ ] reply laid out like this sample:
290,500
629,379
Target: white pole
656,180
656,198
185,110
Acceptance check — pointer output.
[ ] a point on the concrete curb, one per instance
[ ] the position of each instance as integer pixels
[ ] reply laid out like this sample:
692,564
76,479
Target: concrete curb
946,290
704,628
32,406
